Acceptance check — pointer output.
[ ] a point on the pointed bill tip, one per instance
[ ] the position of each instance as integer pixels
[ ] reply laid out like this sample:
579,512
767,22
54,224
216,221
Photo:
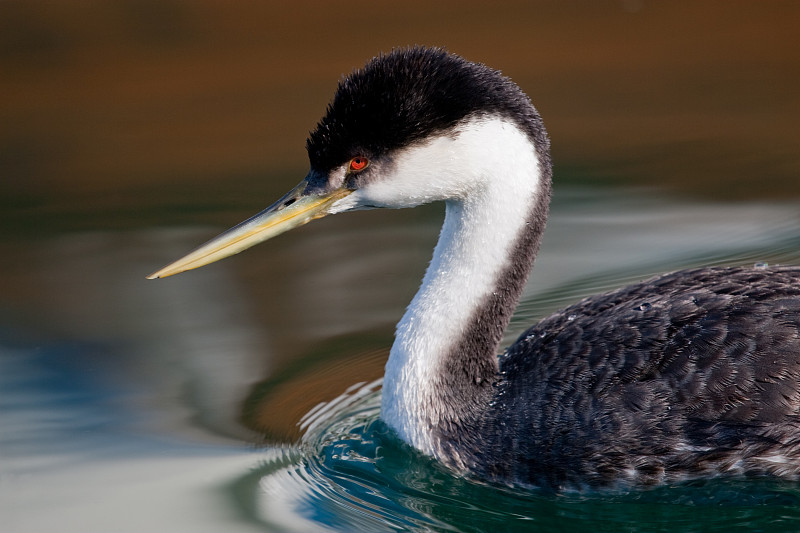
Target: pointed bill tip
294,209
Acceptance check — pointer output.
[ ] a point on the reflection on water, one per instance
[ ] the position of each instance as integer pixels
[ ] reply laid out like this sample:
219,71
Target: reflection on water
150,392
350,474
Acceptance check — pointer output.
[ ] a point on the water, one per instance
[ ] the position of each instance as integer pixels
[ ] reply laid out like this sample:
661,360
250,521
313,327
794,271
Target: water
243,396
350,474
131,405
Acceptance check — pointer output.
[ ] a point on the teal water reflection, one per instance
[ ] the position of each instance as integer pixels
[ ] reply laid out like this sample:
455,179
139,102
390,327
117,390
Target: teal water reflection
129,405
351,474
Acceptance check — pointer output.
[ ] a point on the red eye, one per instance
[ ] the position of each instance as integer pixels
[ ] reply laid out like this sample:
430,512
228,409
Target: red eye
358,163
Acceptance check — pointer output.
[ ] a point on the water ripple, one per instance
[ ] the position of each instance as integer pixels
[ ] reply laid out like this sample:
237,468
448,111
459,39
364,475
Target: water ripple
349,473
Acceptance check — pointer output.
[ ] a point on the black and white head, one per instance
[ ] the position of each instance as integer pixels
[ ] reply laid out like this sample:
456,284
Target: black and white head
414,126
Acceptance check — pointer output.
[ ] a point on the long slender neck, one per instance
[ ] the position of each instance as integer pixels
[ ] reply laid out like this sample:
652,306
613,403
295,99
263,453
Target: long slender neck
438,381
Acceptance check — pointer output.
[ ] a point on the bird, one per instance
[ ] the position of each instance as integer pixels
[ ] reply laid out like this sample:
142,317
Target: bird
687,375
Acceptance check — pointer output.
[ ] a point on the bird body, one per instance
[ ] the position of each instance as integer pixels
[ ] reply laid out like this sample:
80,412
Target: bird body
690,374
682,376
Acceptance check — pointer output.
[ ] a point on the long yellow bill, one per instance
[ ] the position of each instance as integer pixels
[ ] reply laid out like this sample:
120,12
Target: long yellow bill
294,209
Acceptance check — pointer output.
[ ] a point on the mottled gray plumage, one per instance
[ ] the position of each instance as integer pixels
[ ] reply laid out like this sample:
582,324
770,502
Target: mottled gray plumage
684,375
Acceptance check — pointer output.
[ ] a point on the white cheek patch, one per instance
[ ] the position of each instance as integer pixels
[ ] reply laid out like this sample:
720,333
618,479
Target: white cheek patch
449,167
348,203
418,175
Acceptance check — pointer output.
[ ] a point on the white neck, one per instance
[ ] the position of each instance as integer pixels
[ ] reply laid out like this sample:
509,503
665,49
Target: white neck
477,239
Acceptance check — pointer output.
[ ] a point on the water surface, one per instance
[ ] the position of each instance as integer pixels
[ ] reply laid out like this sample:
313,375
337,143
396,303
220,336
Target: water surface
131,405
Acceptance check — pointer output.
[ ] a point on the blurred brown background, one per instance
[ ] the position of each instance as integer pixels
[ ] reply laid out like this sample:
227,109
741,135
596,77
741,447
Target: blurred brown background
117,99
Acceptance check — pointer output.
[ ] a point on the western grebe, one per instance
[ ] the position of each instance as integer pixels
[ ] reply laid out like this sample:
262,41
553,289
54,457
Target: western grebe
685,375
